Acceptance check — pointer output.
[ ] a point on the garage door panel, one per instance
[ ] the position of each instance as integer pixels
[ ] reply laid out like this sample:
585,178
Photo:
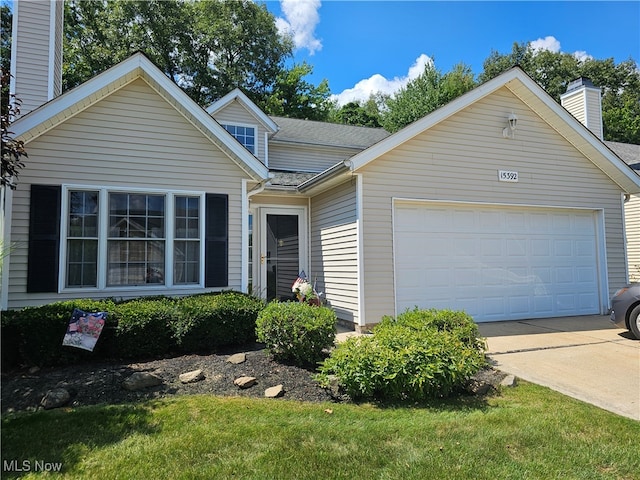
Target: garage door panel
497,263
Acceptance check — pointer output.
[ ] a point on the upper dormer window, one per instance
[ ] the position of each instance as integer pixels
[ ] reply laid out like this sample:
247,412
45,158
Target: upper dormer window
245,135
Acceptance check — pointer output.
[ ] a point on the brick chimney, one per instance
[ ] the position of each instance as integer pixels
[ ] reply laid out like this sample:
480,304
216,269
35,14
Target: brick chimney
36,52
583,101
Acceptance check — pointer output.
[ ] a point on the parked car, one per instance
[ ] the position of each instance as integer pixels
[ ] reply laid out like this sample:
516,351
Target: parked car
625,308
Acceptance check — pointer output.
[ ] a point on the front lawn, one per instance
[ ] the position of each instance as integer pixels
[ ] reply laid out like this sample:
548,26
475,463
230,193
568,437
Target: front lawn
525,432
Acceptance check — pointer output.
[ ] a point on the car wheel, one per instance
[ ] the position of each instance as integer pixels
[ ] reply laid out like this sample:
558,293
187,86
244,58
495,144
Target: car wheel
634,322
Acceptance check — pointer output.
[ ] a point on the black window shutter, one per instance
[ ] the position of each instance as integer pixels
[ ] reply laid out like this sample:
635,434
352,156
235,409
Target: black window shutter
216,249
44,238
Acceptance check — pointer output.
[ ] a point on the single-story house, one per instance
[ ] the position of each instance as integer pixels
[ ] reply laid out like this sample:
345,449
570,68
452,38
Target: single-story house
500,203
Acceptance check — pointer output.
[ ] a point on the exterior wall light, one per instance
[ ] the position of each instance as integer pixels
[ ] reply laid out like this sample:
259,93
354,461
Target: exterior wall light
510,130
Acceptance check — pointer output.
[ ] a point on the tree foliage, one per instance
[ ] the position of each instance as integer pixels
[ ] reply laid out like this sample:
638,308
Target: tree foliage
620,83
12,149
294,97
429,91
208,47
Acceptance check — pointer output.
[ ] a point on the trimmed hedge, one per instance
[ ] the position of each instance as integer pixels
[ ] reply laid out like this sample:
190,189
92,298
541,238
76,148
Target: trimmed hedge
296,332
34,334
421,354
138,328
211,321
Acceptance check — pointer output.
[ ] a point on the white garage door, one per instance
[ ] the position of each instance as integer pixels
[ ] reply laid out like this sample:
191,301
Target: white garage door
496,263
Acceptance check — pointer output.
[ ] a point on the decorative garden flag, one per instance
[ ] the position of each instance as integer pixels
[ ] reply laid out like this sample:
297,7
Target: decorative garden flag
84,329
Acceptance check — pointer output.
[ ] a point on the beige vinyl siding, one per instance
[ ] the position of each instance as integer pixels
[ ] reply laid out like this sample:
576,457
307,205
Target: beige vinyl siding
458,160
133,138
279,201
632,224
236,114
305,158
31,62
334,249
594,112
575,104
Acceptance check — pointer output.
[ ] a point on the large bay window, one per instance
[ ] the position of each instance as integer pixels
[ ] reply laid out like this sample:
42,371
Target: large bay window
126,239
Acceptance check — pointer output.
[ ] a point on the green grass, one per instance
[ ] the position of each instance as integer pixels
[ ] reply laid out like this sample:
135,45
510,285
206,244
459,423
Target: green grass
527,432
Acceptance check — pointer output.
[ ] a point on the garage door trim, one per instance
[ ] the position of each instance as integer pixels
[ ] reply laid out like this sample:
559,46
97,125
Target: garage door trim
600,246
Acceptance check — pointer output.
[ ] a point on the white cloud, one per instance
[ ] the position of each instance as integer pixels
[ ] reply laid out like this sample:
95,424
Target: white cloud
547,43
301,18
378,83
552,44
581,55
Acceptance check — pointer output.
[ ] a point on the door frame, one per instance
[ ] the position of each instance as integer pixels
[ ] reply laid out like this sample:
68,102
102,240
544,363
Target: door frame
260,247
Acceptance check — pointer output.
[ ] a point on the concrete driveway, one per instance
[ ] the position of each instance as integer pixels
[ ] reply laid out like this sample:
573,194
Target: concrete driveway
584,357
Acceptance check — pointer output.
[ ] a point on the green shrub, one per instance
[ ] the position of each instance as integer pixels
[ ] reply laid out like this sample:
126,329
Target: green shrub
423,354
296,332
209,321
38,332
143,327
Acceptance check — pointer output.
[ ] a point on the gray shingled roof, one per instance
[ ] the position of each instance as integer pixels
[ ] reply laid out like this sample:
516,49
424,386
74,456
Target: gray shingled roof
289,179
327,134
628,152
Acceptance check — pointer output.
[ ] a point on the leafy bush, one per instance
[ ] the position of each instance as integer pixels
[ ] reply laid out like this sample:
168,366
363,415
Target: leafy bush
212,320
296,332
423,354
138,328
144,327
38,332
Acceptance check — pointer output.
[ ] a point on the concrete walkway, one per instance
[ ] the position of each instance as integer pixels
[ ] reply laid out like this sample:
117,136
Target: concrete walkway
584,357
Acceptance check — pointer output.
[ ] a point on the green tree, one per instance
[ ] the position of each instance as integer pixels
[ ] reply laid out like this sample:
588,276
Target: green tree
294,97
426,93
365,114
208,47
5,52
12,149
620,83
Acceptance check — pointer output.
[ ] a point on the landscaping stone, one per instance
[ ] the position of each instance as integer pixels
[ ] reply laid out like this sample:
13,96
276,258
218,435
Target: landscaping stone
509,381
140,381
192,377
274,392
245,382
55,398
237,358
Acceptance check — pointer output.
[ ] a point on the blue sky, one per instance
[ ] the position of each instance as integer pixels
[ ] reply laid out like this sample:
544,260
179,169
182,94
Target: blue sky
362,46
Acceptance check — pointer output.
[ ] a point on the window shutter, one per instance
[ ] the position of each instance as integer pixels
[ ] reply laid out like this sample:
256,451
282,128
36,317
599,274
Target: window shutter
216,240
44,238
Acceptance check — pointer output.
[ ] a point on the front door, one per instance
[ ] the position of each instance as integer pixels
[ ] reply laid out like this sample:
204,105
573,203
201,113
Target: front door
283,250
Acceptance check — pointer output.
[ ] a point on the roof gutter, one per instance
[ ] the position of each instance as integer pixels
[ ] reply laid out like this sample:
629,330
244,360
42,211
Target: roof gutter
330,173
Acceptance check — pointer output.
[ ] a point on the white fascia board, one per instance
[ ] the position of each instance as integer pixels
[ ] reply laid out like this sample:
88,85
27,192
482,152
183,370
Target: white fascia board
628,180
62,106
407,133
237,94
137,66
234,149
614,167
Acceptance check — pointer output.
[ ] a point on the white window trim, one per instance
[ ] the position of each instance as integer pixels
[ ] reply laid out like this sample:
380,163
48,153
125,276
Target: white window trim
103,228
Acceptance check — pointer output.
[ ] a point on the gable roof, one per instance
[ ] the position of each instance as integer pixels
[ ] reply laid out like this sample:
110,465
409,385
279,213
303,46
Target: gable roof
293,130
239,96
56,111
534,96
